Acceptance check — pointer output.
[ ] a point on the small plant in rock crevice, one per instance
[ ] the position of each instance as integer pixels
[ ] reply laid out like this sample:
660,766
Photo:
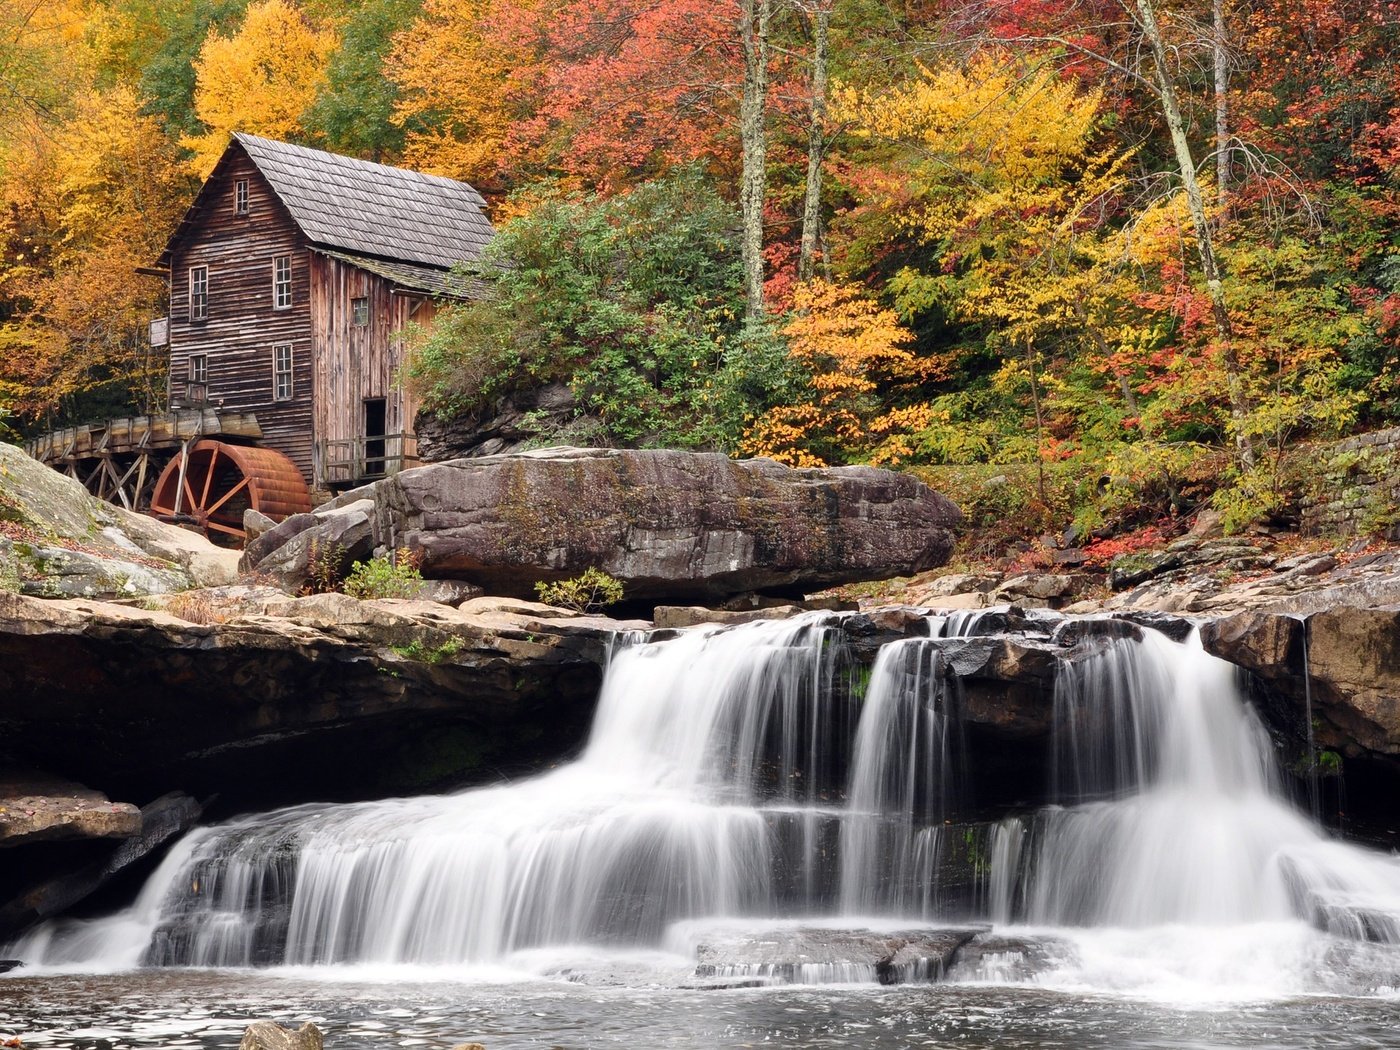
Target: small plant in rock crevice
395,575
324,567
590,591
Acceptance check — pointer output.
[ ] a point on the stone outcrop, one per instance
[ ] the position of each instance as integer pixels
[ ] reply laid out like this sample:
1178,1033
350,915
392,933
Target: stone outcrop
57,541
521,420
45,810
268,699
1351,685
49,879
672,526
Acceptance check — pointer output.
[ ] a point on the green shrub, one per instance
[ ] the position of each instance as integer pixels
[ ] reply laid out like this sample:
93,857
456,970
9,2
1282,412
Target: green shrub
325,567
393,576
590,591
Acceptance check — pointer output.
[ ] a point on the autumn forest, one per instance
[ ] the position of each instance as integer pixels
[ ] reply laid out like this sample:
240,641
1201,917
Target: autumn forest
1132,252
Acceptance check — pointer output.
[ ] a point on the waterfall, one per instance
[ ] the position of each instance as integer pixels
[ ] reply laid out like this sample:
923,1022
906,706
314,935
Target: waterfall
754,775
902,783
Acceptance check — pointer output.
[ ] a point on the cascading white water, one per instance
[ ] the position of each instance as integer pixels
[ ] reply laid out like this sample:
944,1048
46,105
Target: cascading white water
901,786
1172,806
750,774
705,752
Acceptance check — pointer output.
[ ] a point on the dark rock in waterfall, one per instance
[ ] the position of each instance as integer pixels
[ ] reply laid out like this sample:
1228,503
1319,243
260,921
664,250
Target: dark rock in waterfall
6,965
1349,696
268,1035
673,526
1078,632
56,881
1003,959
1353,670
1177,628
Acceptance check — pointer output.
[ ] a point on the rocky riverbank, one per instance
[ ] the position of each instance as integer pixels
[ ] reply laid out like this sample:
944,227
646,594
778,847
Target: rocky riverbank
166,698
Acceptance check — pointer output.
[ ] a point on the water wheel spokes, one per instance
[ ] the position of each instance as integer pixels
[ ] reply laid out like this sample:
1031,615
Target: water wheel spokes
212,484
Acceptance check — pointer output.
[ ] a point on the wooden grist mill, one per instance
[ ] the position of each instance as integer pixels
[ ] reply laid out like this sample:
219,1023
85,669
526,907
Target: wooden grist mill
294,280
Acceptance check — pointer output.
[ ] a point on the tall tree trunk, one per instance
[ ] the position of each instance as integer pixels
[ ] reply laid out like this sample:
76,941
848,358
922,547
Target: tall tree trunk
816,143
1210,268
1222,104
755,16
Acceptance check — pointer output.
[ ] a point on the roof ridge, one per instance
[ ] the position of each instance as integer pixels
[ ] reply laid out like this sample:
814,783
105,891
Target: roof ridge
370,208
246,137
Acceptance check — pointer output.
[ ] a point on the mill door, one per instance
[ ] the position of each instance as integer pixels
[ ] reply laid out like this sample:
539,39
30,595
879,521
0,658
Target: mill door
376,419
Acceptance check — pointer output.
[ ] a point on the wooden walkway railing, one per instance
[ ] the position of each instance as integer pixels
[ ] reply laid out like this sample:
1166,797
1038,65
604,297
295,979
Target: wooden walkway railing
348,461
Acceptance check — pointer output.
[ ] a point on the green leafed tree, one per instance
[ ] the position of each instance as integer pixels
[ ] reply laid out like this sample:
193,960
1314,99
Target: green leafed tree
635,302
354,110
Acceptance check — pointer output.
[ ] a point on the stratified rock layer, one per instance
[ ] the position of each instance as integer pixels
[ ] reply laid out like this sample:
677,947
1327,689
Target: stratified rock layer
270,699
673,526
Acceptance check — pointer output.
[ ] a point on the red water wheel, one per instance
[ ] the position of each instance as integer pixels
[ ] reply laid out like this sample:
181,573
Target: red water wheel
211,486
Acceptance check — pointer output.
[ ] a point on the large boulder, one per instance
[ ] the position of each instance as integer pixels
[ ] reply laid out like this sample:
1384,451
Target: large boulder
673,526
60,542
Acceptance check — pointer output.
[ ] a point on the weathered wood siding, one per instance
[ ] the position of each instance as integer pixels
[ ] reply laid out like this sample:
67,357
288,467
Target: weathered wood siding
242,325
352,363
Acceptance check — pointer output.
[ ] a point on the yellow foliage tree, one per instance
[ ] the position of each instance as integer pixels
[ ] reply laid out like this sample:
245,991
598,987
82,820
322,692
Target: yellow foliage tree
457,68
848,346
1000,165
260,80
89,201
1001,169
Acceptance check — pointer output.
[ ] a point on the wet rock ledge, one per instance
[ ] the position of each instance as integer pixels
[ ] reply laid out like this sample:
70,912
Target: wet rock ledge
270,699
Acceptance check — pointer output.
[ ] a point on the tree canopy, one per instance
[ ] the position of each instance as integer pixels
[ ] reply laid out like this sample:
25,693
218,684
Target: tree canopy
1101,236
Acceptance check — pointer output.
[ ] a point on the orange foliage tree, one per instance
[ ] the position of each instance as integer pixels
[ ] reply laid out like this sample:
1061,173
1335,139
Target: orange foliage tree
856,356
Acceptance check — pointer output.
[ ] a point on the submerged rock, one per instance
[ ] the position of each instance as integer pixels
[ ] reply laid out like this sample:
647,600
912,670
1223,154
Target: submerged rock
821,955
1002,959
268,1035
673,526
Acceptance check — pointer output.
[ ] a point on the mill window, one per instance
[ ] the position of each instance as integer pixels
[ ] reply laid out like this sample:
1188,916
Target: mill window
199,293
282,282
282,372
197,377
240,197
359,309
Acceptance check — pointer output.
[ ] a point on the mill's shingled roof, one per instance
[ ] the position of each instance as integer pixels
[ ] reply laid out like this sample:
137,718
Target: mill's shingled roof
367,209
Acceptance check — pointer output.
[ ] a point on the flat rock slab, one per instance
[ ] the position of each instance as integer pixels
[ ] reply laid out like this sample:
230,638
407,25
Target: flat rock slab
57,890
814,955
26,819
